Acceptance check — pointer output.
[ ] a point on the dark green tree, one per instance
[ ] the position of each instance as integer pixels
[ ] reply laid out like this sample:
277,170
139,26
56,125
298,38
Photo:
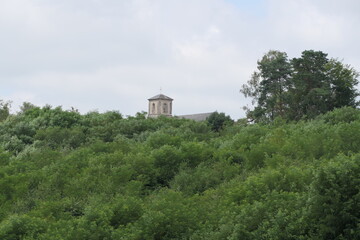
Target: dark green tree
218,121
343,79
312,89
269,86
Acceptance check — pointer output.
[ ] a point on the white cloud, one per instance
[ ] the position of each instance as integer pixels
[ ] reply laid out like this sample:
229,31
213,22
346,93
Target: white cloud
115,54
304,22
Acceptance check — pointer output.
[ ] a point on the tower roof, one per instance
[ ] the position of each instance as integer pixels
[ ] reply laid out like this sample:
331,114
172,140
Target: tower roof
160,96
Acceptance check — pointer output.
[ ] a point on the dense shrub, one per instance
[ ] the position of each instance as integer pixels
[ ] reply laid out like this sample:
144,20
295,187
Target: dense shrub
64,175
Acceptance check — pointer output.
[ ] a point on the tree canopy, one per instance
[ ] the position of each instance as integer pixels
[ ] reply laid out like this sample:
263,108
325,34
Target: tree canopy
218,121
65,175
300,88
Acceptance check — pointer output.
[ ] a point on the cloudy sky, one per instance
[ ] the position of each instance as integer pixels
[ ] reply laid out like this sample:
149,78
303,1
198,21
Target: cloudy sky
115,54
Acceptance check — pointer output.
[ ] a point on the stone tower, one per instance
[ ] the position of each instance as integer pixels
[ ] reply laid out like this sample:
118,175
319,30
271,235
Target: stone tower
160,105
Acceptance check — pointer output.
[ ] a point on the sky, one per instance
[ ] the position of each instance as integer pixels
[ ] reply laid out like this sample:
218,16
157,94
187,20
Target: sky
105,55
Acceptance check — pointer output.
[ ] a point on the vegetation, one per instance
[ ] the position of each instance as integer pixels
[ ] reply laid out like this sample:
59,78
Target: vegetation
217,121
64,175
300,88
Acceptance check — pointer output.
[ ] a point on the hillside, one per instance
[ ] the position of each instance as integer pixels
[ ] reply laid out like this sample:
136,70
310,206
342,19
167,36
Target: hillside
64,175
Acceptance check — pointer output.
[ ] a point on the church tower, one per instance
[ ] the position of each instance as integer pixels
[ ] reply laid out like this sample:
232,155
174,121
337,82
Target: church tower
160,105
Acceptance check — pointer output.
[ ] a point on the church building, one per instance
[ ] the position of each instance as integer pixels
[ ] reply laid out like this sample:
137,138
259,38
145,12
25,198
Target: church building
162,105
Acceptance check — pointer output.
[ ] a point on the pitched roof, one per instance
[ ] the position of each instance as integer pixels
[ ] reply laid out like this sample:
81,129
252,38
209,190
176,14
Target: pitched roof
197,117
160,96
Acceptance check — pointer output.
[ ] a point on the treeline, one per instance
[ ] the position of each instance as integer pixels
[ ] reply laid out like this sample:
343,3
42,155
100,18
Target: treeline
64,175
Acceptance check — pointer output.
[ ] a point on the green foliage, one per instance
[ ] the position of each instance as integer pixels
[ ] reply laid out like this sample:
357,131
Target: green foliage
167,160
341,115
196,181
334,203
64,175
217,121
167,216
55,137
269,86
21,227
4,110
301,88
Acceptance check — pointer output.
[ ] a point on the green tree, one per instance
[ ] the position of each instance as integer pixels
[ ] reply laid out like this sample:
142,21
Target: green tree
269,85
26,107
320,85
312,89
343,79
4,110
217,121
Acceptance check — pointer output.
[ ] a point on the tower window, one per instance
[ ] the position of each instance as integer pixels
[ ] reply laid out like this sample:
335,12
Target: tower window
153,108
165,108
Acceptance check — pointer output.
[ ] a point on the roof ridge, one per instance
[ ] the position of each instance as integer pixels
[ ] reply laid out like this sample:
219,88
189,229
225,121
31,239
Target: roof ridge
160,96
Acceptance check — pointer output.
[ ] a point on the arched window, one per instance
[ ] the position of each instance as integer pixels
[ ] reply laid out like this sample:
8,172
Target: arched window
153,108
165,108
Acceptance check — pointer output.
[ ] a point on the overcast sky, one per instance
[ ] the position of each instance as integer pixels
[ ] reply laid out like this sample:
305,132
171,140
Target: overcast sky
115,54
